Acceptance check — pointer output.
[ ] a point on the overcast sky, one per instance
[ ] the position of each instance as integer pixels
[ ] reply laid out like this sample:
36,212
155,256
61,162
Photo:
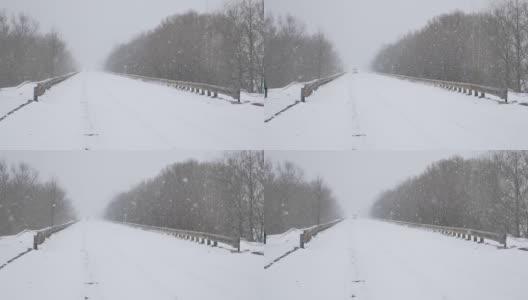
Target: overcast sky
93,27
91,179
359,28
358,177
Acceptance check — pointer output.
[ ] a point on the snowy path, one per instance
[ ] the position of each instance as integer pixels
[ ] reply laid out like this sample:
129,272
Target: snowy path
99,260
370,111
373,260
103,111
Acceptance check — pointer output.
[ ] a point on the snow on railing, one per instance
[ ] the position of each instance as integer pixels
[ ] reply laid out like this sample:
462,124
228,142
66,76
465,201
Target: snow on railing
193,87
465,233
466,88
45,85
42,234
307,234
312,86
200,237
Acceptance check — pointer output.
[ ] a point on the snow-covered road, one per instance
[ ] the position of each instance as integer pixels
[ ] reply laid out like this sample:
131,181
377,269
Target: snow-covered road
100,260
373,260
96,111
370,111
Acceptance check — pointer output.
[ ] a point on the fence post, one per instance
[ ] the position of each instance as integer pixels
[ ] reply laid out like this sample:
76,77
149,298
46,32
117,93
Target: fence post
35,242
302,95
35,93
301,242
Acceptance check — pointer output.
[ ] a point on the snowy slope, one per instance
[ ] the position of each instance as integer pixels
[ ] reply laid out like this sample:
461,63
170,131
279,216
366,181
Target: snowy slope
280,244
372,260
12,246
325,121
323,270
279,99
370,111
11,98
102,111
99,260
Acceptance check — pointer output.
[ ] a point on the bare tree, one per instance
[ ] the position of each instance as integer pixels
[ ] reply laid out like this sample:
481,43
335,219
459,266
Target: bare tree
488,193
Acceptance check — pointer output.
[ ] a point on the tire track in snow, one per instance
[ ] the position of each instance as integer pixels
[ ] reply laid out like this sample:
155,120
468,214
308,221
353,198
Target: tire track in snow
101,278
394,130
123,115
90,133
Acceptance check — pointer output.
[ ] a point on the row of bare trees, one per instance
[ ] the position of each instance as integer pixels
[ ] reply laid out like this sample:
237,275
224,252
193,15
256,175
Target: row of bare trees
488,193
294,202
27,54
293,54
28,203
489,48
225,48
224,197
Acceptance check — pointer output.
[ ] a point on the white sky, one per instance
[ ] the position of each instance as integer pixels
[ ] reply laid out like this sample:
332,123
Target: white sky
91,179
93,27
360,27
358,177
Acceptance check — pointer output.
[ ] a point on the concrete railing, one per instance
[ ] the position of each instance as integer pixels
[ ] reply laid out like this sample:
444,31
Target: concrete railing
42,234
312,86
466,88
307,235
193,87
465,233
45,85
200,237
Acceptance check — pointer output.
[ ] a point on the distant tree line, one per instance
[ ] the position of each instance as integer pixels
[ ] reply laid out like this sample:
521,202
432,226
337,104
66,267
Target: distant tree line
27,54
488,193
223,197
28,203
292,201
489,48
293,54
224,48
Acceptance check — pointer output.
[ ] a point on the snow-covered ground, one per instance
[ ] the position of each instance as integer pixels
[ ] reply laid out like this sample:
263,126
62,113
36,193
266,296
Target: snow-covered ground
323,270
371,111
13,97
325,121
100,260
13,245
95,111
366,259
280,244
